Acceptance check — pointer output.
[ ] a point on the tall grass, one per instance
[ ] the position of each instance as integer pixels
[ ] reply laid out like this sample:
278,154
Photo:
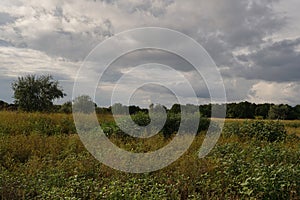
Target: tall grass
14,123
42,167
35,165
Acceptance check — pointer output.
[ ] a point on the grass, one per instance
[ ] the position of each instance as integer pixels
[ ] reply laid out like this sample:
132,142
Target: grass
292,126
35,165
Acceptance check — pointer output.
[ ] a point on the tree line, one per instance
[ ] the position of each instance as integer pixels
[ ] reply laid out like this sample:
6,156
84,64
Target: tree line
37,93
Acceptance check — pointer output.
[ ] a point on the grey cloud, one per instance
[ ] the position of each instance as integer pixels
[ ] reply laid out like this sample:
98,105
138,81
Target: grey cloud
140,57
144,56
64,44
154,88
5,43
224,26
72,29
279,62
200,90
58,12
63,40
6,92
75,46
254,21
154,8
6,18
238,89
237,24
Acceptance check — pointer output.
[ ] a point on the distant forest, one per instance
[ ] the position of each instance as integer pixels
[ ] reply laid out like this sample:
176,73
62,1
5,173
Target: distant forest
242,110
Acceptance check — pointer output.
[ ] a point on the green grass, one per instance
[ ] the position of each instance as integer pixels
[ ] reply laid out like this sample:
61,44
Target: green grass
35,165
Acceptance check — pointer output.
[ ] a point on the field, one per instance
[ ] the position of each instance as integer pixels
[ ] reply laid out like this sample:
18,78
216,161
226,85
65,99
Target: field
43,158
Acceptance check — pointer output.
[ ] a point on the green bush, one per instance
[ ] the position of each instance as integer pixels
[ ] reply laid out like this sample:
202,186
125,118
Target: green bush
262,130
188,124
172,123
141,118
244,173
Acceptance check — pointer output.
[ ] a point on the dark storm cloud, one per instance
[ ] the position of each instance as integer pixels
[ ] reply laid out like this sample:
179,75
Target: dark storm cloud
237,25
279,61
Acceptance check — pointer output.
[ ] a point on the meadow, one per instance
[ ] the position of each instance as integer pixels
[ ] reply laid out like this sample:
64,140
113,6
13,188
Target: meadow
42,157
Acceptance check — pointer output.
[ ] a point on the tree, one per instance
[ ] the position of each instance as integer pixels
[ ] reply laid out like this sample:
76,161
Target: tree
66,107
3,105
297,111
278,111
205,110
36,93
262,110
134,109
175,108
245,110
119,109
84,104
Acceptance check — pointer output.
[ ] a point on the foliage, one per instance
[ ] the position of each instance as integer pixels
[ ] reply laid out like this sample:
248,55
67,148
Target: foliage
119,109
262,110
84,104
254,171
66,107
259,129
3,105
247,110
278,111
36,93
141,118
39,161
58,167
172,124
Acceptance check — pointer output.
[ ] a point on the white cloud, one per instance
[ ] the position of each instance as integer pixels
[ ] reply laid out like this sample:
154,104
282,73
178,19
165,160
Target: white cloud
19,61
273,92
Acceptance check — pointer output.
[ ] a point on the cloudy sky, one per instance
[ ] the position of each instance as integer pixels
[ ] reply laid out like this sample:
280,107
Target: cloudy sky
254,43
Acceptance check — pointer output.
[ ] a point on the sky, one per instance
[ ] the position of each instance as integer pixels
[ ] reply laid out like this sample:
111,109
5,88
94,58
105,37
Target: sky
255,45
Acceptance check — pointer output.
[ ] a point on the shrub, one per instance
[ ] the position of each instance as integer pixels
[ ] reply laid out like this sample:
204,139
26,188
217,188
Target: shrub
262,130
172,123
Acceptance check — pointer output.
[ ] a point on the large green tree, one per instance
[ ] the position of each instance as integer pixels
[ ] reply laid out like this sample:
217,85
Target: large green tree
36,93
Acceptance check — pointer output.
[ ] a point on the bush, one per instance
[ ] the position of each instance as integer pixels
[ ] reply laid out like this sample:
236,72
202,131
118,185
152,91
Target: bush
141,118
262,130
172,124
252,172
